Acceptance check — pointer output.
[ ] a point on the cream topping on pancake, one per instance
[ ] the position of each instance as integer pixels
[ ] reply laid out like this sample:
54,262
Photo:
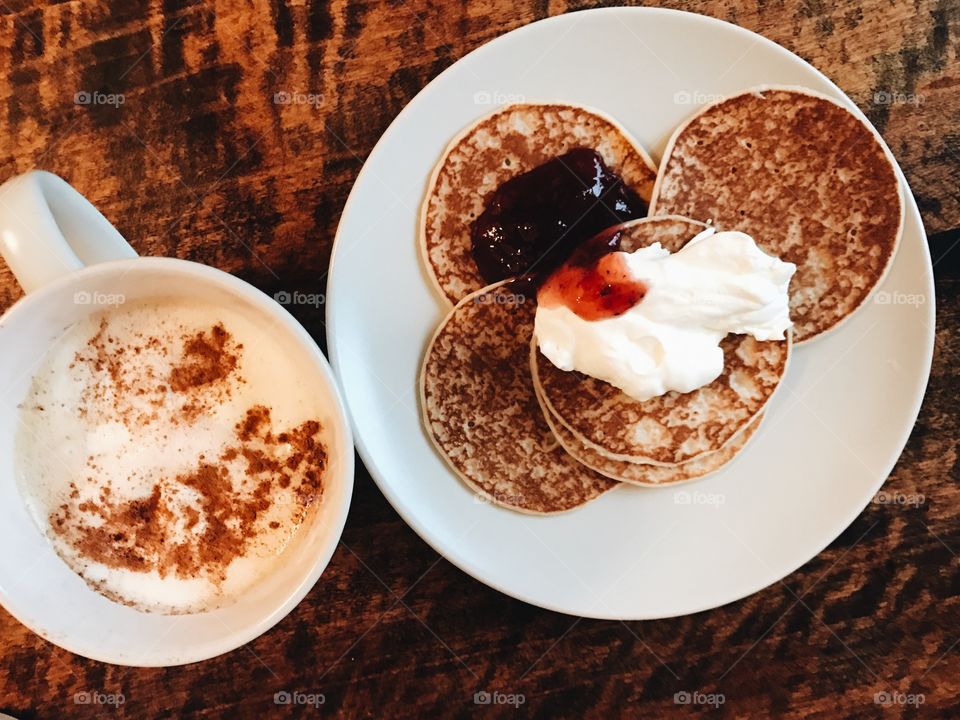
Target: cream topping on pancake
718,283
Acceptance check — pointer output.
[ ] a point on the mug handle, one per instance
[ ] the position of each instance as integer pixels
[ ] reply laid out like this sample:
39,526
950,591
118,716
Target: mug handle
48,229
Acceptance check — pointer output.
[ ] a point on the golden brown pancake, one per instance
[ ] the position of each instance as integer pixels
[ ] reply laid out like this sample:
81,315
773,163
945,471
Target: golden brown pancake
643,473
806,178
480,410
496,148
672,428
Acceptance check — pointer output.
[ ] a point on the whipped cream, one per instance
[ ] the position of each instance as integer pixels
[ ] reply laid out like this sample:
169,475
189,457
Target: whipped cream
718,283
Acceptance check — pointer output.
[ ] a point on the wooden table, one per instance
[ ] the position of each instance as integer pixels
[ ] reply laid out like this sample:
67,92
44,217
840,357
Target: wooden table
200,163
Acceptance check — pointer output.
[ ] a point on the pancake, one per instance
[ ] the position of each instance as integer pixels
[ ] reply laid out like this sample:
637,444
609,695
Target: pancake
480,410
806,178
645,474
658,475
671,231
496,148
675,427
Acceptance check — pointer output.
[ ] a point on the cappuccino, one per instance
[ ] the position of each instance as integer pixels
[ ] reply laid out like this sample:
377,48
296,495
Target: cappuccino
170,451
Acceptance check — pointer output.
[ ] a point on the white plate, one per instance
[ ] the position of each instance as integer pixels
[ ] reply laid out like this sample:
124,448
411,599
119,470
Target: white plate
831,437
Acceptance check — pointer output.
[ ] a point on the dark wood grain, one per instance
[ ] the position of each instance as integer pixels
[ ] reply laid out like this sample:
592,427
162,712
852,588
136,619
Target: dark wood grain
200,163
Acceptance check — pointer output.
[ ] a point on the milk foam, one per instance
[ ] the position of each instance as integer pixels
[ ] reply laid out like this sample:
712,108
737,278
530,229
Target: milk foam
80,434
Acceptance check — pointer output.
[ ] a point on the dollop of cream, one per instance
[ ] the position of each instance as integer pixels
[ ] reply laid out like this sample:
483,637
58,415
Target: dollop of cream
718,283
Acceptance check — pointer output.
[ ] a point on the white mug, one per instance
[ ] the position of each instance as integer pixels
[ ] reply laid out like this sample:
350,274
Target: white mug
70,261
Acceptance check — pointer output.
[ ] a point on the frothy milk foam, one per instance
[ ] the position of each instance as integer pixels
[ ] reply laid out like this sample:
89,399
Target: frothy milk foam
170,451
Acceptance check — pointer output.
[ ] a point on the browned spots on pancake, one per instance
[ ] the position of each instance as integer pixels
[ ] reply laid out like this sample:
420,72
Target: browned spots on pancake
671,428
506,143
675,427
480,409
645,473
806,179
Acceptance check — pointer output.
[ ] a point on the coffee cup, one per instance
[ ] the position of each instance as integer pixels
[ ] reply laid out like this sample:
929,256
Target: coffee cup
71,263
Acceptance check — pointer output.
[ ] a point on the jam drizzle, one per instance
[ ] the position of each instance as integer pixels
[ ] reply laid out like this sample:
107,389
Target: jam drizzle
594,282
533,222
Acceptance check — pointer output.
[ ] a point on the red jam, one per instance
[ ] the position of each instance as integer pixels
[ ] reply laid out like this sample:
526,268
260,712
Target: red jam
533,221
594,282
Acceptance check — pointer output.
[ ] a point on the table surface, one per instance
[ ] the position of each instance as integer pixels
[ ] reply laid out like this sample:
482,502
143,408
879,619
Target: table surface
199,163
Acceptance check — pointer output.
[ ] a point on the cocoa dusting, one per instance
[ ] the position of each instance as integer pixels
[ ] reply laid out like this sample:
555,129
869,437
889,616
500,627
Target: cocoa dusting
127,388
206,359
196,523
145,534
256,417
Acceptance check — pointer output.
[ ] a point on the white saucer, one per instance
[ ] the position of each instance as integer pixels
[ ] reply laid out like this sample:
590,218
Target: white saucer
831,436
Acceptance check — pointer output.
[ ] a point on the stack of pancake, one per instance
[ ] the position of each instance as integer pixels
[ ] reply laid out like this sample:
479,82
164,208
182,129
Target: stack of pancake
801,174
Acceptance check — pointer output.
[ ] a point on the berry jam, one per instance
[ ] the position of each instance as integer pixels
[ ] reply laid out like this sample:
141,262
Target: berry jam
533,221
594,282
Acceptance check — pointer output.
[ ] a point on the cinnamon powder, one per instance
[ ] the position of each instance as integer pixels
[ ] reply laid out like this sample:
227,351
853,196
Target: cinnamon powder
206,359
129,389
230,496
